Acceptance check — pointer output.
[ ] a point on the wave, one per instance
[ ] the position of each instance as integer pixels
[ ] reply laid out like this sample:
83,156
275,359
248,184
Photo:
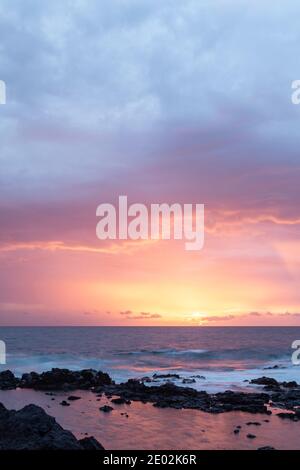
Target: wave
237,354
164,352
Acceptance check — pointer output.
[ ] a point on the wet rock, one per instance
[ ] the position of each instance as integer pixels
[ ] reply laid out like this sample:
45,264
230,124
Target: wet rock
239,401
8,381
288,399
163,396
291,384
121,401
276,366
146,379
106,408
32,429
65,379
170,395
264,381
189,381
90,443
266,448
283,394
166,376
290,416
64,403
272,388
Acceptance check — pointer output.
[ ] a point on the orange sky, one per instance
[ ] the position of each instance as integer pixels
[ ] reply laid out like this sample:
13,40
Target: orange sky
246,274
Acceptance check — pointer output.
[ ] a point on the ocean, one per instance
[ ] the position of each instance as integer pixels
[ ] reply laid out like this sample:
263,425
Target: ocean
216,358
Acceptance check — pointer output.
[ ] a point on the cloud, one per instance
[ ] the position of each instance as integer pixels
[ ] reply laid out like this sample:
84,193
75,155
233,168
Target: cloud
129,315
217,318
119,82
113,249
200,319
288,314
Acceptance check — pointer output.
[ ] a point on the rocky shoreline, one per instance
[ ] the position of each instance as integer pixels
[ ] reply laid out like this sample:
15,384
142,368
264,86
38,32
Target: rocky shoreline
284,395
31,428
46,433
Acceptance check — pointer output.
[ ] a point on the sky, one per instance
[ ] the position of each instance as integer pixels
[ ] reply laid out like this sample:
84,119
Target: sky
186,102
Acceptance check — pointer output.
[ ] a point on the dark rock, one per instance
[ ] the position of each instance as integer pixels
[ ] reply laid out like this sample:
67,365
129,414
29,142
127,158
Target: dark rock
32,429
291,416
239,401
253,423
106,408
266,448
284,395
8,381
73,398
146,379
121,401
64,403
264,381
170,395
166,376
163,396
287,398
90,443
189,381
291,384
65,379
272,388
251,436
236,431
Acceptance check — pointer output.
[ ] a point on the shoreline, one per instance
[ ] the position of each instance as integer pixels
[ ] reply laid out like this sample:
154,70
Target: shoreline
138,416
